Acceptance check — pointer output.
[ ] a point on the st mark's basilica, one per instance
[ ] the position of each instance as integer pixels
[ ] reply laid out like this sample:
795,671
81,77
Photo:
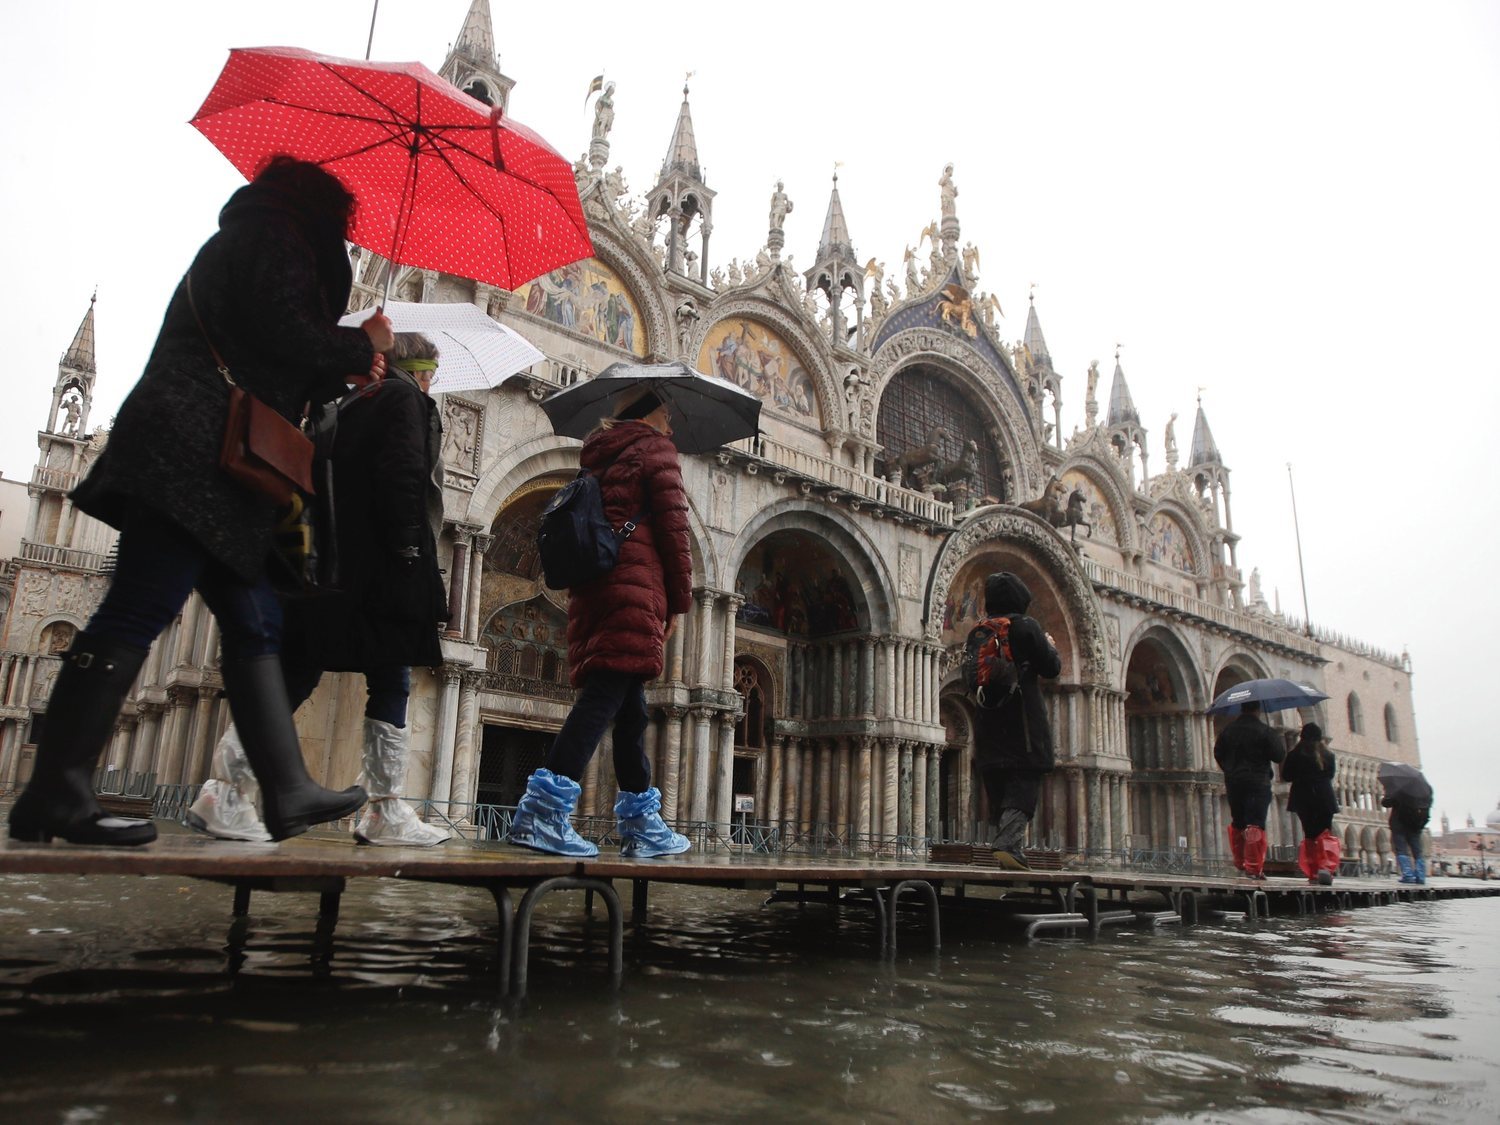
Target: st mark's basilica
907,450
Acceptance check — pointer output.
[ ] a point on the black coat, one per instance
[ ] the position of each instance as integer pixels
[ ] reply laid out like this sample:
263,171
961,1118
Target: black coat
387,447
1312,784
270,287
1245,750
1018,737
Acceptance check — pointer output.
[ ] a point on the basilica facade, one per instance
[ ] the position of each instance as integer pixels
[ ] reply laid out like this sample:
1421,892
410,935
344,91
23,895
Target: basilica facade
906,450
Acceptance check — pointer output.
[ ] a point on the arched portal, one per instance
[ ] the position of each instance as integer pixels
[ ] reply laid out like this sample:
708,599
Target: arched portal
1167,809
933,432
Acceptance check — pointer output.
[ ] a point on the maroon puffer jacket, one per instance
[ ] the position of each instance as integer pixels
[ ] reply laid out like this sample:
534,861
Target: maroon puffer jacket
616,623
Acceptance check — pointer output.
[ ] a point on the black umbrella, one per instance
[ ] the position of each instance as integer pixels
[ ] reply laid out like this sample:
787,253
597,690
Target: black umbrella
706,413
1272,695
1405,784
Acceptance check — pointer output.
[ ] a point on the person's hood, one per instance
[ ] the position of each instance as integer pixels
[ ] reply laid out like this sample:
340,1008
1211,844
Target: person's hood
1005,593
604,446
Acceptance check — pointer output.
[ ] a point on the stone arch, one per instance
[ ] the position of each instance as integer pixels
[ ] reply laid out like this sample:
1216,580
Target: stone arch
760,704
975,373
1354,712
843,536
1115,498
1392,729
1027,536
1237,666
1164,696
1192,529
809,349
48,626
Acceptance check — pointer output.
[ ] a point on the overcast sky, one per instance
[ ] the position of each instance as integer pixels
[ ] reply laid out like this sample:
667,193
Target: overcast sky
1290,205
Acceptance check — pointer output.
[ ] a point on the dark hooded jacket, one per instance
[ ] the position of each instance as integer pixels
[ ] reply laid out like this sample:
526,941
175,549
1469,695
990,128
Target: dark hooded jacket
385,448
1311,779
1246,749
1018,737
270,287
617,622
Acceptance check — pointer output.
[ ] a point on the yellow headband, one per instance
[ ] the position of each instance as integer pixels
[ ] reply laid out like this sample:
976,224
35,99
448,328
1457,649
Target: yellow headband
414,365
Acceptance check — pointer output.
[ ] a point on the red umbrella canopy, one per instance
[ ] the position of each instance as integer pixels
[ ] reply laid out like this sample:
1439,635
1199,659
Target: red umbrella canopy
443,182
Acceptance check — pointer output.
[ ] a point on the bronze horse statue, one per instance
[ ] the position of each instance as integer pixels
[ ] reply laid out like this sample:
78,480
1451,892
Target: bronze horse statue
930,452
1052,508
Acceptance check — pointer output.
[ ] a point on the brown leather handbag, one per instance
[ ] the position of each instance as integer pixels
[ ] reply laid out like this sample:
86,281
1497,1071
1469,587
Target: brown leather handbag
261,449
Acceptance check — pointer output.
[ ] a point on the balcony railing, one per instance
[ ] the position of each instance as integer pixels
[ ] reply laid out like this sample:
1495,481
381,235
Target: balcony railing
62,479
779,457
48,554
1256,627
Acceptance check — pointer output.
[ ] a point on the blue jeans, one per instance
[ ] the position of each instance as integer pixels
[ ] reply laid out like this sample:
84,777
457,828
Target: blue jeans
157,566
1406,843
604,698
386,690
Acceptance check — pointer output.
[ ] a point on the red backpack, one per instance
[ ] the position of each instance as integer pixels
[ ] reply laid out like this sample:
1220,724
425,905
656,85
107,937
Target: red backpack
990,670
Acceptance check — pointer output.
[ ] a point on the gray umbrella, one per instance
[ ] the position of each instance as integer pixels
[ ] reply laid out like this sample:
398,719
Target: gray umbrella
1272,695
1405,783
706,413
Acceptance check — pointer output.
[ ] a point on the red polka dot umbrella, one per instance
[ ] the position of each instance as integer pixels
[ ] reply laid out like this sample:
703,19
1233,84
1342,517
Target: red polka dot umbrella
443,181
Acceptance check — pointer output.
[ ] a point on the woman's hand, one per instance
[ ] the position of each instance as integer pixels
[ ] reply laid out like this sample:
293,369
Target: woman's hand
374,375
378,329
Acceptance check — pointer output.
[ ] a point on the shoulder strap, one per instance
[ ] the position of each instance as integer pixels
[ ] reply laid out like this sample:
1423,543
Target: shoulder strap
187,283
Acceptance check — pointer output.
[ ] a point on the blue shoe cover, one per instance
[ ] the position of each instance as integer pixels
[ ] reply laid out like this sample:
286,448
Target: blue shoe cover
1408,869
1421,872
643,833
541,822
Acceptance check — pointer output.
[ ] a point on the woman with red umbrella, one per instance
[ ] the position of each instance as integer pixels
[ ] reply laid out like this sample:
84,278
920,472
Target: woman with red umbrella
265,293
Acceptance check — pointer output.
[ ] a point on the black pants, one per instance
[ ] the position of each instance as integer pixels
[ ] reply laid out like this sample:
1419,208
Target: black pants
1248,805
604,698
1012,789
1315,822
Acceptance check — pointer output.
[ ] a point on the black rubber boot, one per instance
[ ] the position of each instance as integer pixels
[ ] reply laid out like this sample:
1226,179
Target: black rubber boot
290,800
59,799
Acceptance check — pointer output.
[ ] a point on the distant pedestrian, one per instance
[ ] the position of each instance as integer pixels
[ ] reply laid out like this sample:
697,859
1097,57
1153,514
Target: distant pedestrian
1013,742
1407,822
1245,751
1309,767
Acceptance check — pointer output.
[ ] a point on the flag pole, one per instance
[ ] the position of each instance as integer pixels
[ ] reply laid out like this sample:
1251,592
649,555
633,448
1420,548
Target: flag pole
1301,573
374,11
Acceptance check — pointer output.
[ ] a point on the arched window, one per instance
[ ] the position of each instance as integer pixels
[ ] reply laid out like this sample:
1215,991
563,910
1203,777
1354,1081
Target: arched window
1390,724
921,409
1356,716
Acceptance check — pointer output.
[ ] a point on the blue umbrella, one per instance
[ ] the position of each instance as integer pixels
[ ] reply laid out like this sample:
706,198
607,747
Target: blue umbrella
1272,695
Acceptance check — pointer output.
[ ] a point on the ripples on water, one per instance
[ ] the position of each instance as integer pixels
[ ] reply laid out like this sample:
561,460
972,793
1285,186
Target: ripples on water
139,999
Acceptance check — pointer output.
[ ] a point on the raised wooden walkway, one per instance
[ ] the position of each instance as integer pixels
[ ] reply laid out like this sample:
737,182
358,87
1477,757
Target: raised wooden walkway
1037,901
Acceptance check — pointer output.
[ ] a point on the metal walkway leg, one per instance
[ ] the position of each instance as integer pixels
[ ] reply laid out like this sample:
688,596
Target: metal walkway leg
501,895
932,898
566,883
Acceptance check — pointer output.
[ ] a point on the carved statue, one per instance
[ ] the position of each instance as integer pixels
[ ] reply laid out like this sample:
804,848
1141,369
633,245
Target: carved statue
736,275
913,284
614,183
949,193
956,309
1049,505
73,412
781,206
1091,401
604,113
762,262
893,291
1171,442
716,277
971,262
687,320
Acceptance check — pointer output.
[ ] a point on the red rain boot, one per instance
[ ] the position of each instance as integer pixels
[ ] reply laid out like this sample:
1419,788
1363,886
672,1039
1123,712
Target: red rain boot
1307,859
1237,846
1255,852
1329,853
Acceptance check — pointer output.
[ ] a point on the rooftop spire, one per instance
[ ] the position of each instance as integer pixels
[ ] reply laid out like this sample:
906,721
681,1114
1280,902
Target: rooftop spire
477,39
80,353
1035,342
682,153
835,242
1204,451
1121,408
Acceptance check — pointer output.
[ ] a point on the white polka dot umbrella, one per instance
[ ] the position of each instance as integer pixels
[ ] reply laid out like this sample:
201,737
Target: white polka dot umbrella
475,352
443,182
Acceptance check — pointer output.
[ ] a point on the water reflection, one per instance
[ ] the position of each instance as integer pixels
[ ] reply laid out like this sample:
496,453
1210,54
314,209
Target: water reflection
142,999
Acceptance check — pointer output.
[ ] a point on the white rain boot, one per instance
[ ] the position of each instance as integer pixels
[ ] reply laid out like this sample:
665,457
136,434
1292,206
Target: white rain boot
227,809
387,819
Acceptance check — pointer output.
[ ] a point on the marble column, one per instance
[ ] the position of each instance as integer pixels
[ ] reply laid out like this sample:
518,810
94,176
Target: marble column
458,582
699,809
476,583
732,604
774,780
891,789
724,802
906,804
807,807
863,788
934,793
826,756
443,737
671,759
702,676
841,788
919,791
465,749
791,774
867,678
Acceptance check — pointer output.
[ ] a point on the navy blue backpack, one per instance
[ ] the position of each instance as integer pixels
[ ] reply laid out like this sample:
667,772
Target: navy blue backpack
576,543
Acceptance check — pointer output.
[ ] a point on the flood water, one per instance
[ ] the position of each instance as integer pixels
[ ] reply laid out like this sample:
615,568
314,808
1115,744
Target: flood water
129,999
